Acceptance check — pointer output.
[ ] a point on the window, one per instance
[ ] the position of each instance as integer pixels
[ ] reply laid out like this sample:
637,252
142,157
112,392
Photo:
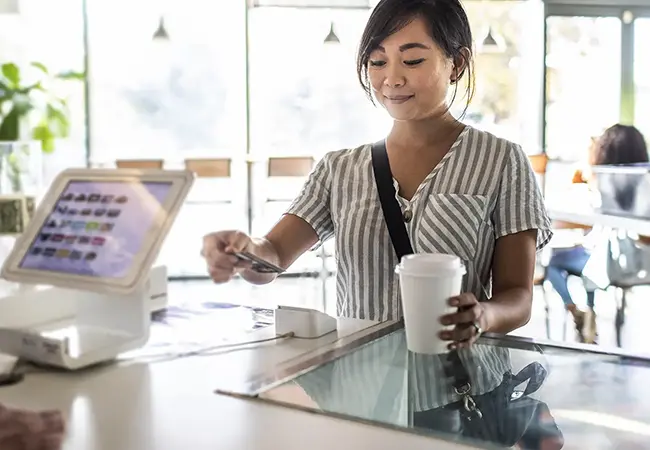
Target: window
173,98
507,101
305,100
305,96
642,75
576,73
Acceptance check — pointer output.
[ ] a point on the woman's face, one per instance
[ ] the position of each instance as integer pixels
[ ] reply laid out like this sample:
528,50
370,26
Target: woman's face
410,74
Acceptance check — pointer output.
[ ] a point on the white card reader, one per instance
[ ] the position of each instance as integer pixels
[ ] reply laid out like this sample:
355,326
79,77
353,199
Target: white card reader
303,322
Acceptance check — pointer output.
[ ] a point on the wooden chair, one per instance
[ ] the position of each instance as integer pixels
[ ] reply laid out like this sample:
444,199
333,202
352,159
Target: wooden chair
287,167
290,166
207,172
139,163
209,167
539,163
208,207
299,167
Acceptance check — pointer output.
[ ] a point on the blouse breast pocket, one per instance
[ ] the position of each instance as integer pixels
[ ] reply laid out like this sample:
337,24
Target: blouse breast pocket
450,223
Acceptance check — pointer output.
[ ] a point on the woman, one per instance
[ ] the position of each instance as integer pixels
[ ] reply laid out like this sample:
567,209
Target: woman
468,192
619,144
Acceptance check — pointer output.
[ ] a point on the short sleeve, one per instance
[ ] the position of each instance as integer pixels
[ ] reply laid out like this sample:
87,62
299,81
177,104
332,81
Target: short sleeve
520,204
313,203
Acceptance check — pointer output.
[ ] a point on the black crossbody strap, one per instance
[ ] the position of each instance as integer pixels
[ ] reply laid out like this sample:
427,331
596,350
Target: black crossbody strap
454,367
390,207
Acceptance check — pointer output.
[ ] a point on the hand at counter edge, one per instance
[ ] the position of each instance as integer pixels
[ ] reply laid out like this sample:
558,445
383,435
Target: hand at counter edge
509,308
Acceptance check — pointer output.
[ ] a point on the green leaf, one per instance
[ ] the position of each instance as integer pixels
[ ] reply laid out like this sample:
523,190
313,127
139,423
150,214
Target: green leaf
12,73
22,104
5,92
41,67
50,117
43,133
26,90
58,121
10,126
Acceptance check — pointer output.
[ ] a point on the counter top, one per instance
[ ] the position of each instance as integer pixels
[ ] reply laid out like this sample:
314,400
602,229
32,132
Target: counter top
172,404
561,396
585,215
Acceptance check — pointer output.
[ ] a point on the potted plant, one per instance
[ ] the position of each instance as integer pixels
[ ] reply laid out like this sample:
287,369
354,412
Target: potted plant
30,111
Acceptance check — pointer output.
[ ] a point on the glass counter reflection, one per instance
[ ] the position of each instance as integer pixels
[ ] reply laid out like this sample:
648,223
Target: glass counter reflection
529,396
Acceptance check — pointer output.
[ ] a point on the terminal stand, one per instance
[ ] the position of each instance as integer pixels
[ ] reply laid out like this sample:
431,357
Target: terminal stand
104,326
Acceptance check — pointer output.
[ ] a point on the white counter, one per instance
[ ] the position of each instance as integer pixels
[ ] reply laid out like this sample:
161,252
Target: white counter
584,215
172,406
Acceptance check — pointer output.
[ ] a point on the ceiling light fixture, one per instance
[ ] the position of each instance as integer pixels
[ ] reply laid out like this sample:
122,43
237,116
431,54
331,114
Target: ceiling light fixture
331,37
161,32
492,43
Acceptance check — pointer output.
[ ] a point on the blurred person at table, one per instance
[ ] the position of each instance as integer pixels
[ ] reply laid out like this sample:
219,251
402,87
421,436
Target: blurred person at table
619,144
462,191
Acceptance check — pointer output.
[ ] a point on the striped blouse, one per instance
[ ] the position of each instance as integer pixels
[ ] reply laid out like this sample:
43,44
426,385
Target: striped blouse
483,188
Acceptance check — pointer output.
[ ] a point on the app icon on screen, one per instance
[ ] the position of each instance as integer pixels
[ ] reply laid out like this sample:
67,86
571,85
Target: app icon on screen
99,212
75,254
86,212
62,253
51,224
98,240
90,256
57,238
65,223
72,212
106,227
78,225
94,198
121,199
61,209
113,212
49,251
80,198
36,251
45,236
67,197
70,239
92,226
107,198
84,240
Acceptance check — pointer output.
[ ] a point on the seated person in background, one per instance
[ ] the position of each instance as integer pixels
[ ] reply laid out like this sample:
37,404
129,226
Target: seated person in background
620,144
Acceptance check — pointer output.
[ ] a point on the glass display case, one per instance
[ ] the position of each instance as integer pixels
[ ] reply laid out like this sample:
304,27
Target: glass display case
519,392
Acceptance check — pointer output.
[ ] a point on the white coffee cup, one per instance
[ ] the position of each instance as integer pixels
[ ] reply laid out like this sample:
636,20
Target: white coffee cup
427,282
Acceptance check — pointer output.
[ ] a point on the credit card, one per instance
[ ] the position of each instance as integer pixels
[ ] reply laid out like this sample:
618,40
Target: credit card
259,265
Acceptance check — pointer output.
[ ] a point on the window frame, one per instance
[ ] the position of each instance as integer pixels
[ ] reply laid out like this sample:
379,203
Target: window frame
600,8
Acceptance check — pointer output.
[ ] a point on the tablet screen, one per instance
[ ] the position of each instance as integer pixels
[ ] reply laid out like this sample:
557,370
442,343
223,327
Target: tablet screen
97,228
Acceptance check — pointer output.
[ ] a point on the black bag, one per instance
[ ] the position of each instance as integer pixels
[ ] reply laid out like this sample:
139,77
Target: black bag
503,416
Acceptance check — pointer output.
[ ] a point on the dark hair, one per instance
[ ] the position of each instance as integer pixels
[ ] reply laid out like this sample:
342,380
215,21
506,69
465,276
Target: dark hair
620,144
448,27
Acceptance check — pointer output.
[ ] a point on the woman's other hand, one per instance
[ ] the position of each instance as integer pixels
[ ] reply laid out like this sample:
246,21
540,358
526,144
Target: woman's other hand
469,321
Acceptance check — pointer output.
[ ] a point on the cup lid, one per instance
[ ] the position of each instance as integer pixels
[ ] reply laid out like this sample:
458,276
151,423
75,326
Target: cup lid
431,264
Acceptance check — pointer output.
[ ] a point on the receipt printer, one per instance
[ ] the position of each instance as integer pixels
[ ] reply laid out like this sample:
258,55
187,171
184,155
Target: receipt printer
303,322
38,305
